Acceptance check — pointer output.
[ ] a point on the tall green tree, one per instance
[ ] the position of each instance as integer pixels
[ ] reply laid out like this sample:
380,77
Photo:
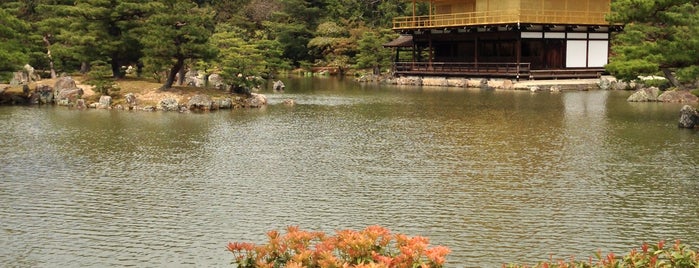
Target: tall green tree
332,45
372,54
12,52
178,31
293,27
79,32
658,36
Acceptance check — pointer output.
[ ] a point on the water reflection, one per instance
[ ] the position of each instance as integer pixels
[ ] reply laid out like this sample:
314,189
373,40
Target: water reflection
497,176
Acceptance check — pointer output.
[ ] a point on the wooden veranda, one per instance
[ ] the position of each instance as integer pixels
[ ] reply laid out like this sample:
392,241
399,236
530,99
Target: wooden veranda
520,39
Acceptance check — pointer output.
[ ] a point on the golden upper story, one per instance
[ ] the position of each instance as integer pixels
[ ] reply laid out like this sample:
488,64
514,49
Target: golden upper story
457,13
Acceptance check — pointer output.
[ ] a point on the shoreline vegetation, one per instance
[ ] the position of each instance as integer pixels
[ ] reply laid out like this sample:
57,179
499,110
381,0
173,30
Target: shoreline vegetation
127,94
378,247
137,93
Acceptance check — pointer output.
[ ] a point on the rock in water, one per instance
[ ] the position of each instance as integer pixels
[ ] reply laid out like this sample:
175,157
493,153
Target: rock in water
278,85
255,100
645,94
679,96
689,117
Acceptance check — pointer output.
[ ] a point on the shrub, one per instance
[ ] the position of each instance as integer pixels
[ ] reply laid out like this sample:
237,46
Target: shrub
100,77
374,246
695,92
677,256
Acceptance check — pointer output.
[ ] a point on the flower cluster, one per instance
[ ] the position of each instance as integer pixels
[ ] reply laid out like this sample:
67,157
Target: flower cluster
656,256
373,247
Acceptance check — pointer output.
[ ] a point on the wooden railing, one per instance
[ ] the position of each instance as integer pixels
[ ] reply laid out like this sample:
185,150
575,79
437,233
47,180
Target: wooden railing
500,17
464,68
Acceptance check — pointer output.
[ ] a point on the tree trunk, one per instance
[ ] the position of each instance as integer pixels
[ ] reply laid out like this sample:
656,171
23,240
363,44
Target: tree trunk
671,77
48,54
173,72
84,67
182,73
116,68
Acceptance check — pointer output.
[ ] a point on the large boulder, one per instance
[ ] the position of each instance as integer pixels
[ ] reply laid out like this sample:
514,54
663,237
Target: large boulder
645,95
255,100
200,102
680,96
168,104
278,85
225,103
44,94
604,83
216,81
689,117
105,102
32,76
195,78
65,82
66,92
19,78
80,104
130,100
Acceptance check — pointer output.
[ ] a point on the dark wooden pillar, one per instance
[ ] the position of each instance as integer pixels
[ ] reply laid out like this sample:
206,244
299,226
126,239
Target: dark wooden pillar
431,50
475,52
518,52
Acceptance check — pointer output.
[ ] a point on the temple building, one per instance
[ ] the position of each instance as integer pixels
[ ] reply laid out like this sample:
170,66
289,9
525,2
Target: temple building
522,39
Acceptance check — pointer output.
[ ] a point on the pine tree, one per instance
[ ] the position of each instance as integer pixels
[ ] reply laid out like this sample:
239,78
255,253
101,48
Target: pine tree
12,52
178,31
372,54
659,36
78,32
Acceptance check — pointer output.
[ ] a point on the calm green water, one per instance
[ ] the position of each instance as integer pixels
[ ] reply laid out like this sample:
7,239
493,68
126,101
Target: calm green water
498,176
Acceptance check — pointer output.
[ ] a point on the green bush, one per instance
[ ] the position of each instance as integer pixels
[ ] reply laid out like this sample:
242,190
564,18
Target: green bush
662,84
100,77
656,256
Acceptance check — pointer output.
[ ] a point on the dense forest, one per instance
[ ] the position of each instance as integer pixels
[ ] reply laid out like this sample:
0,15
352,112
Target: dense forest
242,38
236,38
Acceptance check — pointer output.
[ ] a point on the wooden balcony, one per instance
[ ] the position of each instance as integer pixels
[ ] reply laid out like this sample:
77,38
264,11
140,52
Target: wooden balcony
492,70
500,17
513,70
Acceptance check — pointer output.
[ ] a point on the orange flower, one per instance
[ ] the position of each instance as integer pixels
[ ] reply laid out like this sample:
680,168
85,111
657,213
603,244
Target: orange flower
293,264
233,246
382,259
273,234
438,254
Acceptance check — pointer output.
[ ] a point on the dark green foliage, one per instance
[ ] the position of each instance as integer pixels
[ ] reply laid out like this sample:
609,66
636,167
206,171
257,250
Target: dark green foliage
179,30
372,54
100,76
78,32
12,52
256,37
659,37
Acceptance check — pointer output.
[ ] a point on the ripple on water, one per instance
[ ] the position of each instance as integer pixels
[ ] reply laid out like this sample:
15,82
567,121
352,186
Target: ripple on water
496,177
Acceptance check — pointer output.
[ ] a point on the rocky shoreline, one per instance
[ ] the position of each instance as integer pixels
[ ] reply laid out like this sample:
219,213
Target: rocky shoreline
66,92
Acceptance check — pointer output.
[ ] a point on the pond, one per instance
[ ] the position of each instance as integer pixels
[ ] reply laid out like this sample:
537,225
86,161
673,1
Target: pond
497,176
